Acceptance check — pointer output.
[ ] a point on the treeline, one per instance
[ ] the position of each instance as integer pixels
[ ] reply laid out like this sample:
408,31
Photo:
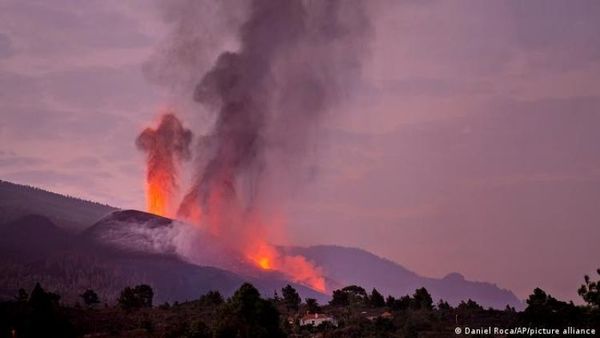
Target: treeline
351,312
26,187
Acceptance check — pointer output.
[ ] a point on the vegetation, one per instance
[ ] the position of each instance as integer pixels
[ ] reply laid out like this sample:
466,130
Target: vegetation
291,298
136,298
590,291
352,312
90,298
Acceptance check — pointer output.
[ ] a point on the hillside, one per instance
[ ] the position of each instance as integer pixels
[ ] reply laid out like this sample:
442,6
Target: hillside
34,249
355,266
71,213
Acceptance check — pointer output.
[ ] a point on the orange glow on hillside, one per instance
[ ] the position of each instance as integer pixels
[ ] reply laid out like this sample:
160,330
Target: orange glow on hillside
297,268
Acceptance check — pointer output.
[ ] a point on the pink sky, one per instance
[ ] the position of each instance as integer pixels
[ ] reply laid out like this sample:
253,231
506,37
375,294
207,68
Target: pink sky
472,144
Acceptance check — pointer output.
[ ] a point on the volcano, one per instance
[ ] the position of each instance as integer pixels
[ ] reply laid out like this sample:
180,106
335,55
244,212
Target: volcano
180,261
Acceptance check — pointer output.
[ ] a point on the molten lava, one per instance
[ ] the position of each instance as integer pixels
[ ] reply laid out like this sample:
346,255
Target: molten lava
158,191
165,147
297,268
264,263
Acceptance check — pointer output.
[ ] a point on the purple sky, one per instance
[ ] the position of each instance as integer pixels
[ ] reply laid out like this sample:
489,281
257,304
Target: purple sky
472,144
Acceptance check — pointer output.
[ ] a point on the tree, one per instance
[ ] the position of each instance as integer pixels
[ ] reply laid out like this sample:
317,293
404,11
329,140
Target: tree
349,295
145,293
539,302
590,291
246,314
45,317
542,308
90,298
389,301
40,299
312,305
376,299
22,296
422,299
443,305
212,298
138,297
198,329
291,298
402,303
339,298
469,306
356,294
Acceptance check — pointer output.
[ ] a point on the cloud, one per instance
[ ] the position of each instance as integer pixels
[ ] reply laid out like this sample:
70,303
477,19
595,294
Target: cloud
9,159
563,34
122,88
83,162
48,178
67,26
6,48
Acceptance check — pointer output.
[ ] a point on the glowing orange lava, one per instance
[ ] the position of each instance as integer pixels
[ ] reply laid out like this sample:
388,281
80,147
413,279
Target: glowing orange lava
157,194
166,146
264,263
297,268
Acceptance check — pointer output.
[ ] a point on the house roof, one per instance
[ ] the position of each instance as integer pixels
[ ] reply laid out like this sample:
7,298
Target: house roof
310,316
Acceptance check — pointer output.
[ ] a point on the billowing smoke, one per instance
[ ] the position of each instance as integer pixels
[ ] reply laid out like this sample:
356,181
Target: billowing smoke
165,147
293,60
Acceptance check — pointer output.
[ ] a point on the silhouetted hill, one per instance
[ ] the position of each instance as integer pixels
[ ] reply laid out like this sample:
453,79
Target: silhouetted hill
133,233
31,236
65,211
355,266
34,249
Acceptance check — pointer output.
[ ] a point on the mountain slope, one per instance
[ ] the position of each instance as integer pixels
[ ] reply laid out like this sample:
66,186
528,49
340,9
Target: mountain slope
355,266
68,212
34,249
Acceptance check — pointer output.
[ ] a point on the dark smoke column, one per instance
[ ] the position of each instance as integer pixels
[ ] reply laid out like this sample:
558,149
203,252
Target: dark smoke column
165,147
293,60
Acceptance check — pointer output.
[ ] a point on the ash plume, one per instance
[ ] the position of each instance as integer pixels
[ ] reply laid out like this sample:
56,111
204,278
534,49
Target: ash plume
272,81
294,61
165,147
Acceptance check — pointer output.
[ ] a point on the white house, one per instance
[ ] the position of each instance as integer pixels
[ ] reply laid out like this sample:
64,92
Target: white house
316,319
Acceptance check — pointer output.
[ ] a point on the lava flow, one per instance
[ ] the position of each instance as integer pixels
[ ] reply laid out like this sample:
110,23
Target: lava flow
297,268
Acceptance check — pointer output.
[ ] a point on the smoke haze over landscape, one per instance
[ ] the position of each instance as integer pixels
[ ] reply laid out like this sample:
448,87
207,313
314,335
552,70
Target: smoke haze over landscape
450,137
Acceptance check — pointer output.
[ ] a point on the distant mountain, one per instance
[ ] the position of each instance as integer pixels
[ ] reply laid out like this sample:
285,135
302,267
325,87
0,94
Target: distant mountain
70,213
355,266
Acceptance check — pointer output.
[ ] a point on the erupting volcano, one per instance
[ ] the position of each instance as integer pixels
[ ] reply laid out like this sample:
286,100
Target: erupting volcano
267,100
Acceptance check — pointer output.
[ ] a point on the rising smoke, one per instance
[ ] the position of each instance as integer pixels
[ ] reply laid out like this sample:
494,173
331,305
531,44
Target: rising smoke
293,60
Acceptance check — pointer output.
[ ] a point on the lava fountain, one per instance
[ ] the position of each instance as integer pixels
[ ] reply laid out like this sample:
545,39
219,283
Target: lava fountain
165,147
